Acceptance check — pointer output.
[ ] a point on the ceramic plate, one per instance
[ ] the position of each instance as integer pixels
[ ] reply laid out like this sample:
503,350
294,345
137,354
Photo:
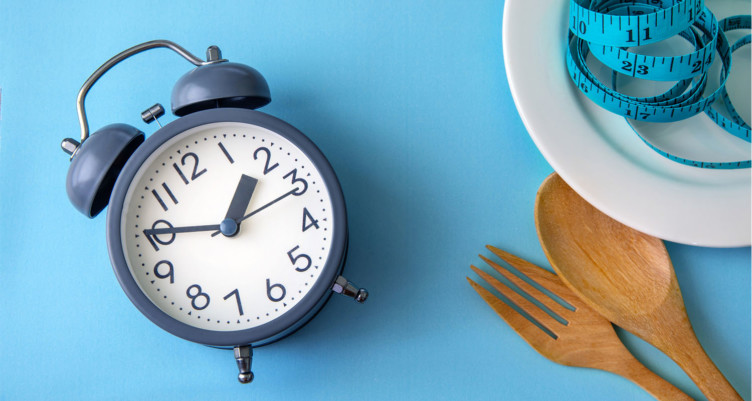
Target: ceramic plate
600,157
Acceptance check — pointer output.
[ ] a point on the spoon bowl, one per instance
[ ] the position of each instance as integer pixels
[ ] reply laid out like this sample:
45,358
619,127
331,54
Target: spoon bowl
624,275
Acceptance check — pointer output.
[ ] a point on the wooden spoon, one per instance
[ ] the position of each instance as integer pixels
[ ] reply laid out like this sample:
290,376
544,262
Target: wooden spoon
624,275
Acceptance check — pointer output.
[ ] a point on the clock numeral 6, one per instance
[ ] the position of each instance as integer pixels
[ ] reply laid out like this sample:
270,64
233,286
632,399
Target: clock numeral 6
270,287
308,220
170,270
198,295
295,180
303,256
195,173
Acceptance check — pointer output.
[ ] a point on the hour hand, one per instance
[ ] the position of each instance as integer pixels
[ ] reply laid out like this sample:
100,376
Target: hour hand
238,205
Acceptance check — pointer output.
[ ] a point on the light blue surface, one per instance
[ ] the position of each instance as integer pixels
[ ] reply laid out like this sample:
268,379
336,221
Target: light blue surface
409,101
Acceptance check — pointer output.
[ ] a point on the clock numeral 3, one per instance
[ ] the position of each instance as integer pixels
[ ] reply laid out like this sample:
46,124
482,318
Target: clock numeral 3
270,287
194,174
308,220
202,297
295,180
303,256
268,154
170,270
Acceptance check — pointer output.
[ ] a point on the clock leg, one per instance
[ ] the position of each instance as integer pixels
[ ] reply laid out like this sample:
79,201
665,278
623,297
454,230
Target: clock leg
244,357
344,287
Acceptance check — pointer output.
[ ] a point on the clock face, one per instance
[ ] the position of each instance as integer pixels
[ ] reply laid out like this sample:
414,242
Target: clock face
180,245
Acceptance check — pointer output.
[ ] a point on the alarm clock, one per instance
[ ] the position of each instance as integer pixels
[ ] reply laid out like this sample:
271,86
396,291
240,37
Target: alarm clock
226,227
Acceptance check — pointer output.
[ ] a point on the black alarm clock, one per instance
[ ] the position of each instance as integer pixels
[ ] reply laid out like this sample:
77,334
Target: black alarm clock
226,227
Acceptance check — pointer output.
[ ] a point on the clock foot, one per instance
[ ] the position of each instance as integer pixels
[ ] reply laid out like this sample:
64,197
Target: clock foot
244,357
346,288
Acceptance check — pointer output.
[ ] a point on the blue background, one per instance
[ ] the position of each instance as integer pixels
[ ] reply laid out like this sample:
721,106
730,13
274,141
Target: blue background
409,101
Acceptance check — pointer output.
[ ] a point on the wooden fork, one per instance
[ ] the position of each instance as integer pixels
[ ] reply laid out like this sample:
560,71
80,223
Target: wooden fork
587,340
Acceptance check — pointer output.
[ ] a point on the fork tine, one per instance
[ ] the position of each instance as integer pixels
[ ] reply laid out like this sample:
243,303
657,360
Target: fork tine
543,318
539,275
531,333
545,278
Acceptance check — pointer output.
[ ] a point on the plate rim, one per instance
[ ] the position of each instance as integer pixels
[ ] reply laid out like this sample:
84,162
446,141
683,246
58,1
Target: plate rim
584,185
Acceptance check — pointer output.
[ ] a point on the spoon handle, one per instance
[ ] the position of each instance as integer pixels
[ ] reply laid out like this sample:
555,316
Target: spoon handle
632,369
688,353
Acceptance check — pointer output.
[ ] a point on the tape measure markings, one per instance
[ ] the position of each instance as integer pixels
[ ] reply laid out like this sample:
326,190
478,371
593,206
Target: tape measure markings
690,20
667,21
684,106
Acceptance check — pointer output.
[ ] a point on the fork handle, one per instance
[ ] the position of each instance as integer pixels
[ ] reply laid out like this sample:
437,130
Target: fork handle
632,369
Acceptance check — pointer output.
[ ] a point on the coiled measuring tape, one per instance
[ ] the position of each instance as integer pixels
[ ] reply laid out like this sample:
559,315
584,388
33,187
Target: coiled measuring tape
607,29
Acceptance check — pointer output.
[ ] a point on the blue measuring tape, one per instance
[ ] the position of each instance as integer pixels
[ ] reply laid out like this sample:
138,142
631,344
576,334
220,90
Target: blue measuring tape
608,29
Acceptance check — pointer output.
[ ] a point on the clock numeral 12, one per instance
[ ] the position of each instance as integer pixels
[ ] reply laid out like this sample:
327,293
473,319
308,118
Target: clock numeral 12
195,173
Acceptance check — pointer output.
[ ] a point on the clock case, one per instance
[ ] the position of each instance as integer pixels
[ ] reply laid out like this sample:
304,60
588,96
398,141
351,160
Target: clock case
288,322
104,163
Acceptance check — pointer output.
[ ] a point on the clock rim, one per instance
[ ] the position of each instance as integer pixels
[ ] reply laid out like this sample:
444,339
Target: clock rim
277,328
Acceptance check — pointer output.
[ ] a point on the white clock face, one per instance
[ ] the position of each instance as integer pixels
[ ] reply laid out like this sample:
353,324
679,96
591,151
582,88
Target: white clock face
226,280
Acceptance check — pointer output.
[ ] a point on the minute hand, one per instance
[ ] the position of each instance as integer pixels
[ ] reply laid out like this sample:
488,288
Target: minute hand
261,208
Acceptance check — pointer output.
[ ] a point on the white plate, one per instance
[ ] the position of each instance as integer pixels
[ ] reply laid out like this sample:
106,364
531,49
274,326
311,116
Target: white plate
603,160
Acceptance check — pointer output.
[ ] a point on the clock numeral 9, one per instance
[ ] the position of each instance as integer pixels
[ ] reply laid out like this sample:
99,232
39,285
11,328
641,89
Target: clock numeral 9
270,287
268,154
170,270
198,295
308,220
295,180
195,173
303,256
